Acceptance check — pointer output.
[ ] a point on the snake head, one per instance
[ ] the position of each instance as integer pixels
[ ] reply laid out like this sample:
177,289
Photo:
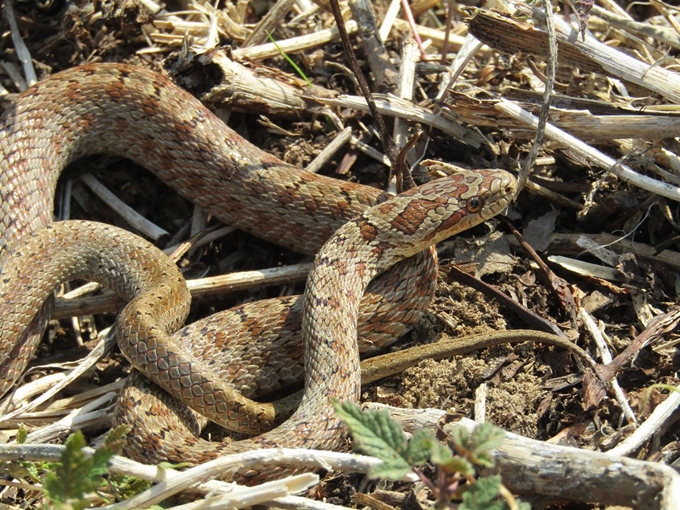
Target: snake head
441,208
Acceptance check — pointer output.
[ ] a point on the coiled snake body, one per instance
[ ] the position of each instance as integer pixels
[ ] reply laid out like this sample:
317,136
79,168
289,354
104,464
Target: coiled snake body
134,113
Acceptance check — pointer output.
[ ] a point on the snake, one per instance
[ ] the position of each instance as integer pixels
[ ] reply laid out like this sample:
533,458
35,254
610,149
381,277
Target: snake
135,113
357,232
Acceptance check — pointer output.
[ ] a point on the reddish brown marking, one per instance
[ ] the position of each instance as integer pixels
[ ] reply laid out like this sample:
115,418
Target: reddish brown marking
254,325
411,218
453,186
73,91
386,208
289,196
116,90
453,220
368,231
361,268
87,120
313,205
341,205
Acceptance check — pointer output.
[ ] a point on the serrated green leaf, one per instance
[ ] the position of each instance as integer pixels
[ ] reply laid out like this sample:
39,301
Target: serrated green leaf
69,480
440,453
35,470
419,447
77,474
486,437
113,444
478,445
480,496
458,464
395,469
485,460
31,469
116,439
482,441
374,432
460,437
124,487
443,457
75,442
100,462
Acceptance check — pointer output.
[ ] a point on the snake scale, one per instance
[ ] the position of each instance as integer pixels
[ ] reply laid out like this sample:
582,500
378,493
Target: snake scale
128,111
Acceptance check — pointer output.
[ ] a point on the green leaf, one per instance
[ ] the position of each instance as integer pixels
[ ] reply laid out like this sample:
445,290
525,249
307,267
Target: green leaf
486,437
419,448
440,453
458,464
22,434
124,487
116,439
69,480
376,434
31,469
480,495
394,469
78,473
113,445
442,456
477,447
460,437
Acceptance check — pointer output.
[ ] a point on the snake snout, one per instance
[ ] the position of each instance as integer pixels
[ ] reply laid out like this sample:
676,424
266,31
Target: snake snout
509,184
502,186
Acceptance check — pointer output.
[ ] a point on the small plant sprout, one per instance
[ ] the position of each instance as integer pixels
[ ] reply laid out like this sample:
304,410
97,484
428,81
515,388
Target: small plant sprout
456,484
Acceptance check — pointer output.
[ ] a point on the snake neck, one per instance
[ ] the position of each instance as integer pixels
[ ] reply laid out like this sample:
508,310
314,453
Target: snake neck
342,270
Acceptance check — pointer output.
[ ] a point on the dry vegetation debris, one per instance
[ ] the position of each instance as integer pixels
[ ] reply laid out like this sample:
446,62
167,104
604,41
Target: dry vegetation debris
599,204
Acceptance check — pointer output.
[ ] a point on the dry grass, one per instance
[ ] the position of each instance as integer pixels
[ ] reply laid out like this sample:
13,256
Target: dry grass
599,204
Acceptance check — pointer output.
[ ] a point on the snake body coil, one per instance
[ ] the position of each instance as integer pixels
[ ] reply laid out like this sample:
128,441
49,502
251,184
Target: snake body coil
140,115
131,112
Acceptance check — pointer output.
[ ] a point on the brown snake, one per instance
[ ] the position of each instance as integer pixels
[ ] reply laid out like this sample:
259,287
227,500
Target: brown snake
140,115
131,112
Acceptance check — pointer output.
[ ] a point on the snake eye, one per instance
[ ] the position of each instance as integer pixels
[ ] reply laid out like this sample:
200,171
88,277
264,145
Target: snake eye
475,204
